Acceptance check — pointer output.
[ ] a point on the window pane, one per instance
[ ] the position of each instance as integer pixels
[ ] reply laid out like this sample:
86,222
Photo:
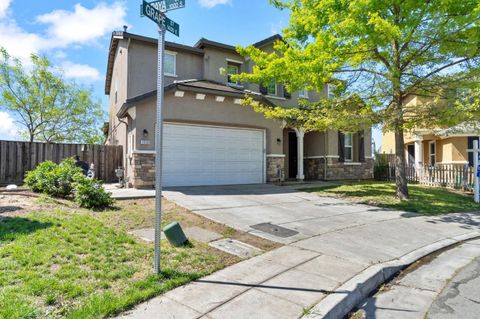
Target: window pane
348,139
348,153
432,148
272,88
169,63
231,70
470,158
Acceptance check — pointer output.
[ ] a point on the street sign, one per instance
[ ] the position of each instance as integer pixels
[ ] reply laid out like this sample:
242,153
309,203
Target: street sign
168,5
158,17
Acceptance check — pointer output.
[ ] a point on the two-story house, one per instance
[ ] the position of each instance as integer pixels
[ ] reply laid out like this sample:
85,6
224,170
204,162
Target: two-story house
434,146
209,137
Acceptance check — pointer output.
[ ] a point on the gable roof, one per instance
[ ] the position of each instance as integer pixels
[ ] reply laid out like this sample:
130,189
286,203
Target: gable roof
117,36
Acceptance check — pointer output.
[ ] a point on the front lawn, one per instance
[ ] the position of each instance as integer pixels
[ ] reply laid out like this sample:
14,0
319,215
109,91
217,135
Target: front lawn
423,200
59,261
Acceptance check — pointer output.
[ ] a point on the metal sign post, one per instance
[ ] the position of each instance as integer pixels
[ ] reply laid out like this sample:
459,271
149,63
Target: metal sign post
164,24
476,187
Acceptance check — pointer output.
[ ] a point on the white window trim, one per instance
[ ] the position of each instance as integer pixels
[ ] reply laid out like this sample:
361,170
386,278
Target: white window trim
430,154
349,146
234,61
330,88
303,93
174,54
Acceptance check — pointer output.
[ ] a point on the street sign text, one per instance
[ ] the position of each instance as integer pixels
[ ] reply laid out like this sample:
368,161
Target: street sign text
155,15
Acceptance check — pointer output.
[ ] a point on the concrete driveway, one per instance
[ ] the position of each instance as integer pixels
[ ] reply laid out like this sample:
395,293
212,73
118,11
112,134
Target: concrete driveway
244,206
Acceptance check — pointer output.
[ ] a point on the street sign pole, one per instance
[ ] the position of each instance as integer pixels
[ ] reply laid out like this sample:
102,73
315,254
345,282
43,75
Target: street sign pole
158,147
476,178
164,24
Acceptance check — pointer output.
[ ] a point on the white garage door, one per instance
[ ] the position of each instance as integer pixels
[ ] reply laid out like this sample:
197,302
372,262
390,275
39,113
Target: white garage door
204,155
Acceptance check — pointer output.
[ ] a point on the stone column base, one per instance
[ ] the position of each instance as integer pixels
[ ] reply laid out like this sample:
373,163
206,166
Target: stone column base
275,169
142,171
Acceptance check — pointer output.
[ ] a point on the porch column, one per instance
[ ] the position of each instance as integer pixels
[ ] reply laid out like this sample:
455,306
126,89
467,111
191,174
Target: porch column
300,135
418,151
419,155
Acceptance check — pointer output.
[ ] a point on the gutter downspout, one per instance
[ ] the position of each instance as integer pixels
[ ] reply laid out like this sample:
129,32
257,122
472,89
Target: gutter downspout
126,148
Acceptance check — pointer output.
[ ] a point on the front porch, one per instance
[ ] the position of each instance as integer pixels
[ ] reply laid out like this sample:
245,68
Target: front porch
327,155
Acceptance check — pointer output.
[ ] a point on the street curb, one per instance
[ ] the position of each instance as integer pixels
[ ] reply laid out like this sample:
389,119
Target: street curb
346,297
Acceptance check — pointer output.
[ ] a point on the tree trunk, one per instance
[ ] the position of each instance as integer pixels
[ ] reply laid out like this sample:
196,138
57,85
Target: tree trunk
400,164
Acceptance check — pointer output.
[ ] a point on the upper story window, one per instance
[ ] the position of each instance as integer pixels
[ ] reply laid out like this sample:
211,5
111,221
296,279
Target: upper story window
303,93
349,147
272,88
170,63
232,69
330,91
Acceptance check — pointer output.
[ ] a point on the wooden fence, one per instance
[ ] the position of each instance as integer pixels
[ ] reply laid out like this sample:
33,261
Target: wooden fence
16,158
452,176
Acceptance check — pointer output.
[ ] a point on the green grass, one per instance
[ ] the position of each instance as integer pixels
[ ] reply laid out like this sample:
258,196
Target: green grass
423,200
70,264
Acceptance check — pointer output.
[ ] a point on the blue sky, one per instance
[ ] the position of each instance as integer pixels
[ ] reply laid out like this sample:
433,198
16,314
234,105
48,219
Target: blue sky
75,35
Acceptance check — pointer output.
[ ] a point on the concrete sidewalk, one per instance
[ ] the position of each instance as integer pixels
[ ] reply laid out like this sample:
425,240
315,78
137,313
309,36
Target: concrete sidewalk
334,269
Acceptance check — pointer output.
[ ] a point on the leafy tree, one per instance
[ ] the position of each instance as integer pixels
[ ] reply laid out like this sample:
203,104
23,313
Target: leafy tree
384,52
46,106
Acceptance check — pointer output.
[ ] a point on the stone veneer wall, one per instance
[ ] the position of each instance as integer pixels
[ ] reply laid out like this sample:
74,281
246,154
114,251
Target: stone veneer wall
143,169
313,168
274,164
338,170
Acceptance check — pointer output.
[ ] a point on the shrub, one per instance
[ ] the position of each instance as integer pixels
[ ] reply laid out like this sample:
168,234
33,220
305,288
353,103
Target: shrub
52,179
89,193
63,176
38,179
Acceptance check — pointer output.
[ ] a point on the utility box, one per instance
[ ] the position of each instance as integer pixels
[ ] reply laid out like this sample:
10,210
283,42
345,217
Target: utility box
175,234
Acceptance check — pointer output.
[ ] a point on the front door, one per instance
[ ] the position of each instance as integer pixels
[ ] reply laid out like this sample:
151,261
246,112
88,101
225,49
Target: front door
411,154
292,155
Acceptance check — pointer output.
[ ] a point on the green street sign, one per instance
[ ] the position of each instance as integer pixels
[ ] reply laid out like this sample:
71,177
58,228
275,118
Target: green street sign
158,17
168,5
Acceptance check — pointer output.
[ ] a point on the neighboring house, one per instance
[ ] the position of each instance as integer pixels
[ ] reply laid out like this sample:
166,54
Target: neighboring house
209,138
432,147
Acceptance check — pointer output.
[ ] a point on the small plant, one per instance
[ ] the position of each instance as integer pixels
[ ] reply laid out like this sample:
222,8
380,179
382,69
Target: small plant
89,193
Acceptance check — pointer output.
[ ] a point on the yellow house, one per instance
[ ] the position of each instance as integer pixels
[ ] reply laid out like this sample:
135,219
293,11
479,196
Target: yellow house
432,147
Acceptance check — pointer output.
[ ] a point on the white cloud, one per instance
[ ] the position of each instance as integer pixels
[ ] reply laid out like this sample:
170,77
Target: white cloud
82,25
213,3
4,4
64,28
80,71
8,129
18,42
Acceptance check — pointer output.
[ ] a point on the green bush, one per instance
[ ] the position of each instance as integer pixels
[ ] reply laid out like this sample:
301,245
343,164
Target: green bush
89,193
63,176
67,180
38,179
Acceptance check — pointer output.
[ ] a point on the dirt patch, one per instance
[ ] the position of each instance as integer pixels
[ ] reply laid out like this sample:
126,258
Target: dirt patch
140,213
19,203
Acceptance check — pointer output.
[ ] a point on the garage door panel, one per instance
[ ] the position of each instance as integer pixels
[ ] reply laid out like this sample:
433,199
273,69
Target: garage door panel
201,155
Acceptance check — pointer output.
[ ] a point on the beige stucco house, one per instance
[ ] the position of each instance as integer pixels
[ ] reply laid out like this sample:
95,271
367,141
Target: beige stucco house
209,137
430,147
